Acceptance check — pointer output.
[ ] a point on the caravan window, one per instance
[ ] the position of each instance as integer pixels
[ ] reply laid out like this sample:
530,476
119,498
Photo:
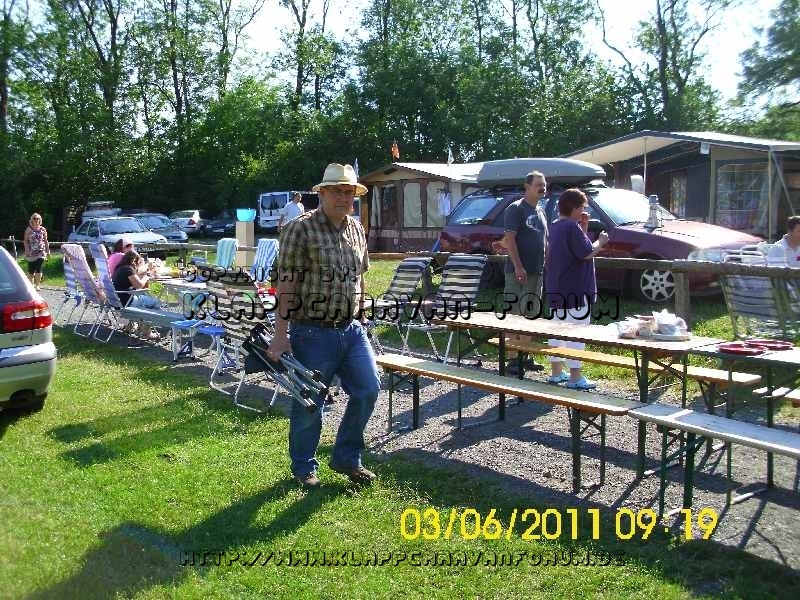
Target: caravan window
412,205
388,208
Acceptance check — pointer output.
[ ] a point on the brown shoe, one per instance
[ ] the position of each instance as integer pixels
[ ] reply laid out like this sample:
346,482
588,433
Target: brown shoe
358,475
309,480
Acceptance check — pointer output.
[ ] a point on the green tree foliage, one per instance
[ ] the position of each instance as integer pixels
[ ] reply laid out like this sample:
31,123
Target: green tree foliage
145,102
774,65
670,92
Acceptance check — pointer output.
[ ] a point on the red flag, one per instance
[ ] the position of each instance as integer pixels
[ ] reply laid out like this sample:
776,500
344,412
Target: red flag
395,151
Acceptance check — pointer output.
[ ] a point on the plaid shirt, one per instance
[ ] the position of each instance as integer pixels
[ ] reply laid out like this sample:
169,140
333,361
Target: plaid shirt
326,262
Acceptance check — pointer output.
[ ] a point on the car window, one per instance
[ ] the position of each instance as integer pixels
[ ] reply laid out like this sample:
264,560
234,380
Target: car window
120,226
182,214
154,221
624,207
273,201
12,283
83,228
91,231
473,209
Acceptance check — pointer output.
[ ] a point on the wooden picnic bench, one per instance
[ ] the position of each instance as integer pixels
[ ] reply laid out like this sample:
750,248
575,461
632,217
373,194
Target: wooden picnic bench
699,425
582,407
710,380
781,393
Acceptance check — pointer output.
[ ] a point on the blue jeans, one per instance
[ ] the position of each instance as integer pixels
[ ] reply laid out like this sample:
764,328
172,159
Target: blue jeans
347,353
144,301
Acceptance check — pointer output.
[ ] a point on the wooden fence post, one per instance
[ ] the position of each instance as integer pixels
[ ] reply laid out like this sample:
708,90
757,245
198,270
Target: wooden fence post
682,298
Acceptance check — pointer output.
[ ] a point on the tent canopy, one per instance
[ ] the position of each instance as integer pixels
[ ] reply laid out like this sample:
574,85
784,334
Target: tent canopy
642,142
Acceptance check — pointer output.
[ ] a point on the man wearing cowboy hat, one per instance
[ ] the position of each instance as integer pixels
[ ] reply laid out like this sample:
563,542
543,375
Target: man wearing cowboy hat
321,265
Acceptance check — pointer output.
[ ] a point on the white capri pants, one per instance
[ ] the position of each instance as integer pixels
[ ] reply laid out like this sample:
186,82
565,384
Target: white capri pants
583,315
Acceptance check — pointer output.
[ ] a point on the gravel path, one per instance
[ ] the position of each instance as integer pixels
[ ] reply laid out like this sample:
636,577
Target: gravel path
528,456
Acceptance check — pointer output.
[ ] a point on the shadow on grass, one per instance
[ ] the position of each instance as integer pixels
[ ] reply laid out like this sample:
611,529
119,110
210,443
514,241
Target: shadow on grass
7,419
178,420
131,558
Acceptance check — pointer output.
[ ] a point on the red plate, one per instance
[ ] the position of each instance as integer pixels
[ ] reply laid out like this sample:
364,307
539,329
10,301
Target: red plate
770,344
741,348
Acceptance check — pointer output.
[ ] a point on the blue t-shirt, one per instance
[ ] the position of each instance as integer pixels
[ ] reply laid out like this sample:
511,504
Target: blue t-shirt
568,271
530,225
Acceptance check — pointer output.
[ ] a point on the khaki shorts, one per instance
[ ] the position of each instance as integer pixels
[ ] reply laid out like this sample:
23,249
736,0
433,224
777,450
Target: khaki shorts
529,294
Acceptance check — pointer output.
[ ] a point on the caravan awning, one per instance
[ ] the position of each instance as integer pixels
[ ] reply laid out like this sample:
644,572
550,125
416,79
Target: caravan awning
643,142
463,172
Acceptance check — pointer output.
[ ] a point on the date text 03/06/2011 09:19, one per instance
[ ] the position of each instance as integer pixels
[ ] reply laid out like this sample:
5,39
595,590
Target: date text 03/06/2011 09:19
531,524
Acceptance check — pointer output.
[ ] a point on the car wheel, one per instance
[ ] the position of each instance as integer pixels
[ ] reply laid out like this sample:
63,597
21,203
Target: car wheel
32,406
654,286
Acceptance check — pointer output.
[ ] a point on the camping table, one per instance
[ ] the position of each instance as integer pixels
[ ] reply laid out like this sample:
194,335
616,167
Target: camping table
178,287
784,363
646,350
661,352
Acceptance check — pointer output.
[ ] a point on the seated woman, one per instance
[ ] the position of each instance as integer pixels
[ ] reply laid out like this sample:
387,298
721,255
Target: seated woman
120,248
126,277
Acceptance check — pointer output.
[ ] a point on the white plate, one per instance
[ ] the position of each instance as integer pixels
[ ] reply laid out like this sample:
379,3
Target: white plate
671,337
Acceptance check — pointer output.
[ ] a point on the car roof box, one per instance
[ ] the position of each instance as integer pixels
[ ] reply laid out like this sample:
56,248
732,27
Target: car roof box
512,171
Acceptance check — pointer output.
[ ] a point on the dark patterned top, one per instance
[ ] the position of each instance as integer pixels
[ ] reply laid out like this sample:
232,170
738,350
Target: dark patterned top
326,263
35,243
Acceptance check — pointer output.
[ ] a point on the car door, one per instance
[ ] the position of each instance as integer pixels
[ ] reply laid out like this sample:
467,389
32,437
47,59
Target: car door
92,232
82,234
608,279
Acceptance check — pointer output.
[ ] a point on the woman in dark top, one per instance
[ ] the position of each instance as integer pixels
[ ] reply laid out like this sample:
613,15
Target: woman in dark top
126,277
570,279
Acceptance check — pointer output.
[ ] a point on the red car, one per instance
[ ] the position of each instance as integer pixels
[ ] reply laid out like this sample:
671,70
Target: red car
477,221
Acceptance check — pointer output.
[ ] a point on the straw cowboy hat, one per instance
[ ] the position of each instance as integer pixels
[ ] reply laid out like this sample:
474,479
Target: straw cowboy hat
336,174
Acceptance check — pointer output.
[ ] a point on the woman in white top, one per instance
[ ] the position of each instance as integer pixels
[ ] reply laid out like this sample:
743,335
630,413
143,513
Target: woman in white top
786,251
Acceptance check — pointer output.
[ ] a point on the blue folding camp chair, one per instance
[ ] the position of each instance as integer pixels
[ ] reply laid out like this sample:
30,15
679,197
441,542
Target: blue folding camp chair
72,293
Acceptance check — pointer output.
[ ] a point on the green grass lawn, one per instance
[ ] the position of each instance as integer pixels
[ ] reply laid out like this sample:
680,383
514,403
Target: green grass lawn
132,465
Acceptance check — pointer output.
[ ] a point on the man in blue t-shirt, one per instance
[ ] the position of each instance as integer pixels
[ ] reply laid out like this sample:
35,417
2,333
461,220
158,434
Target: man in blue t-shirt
525,240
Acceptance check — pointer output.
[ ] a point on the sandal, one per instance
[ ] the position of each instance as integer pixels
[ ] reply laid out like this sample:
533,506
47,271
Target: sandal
560,378
581,384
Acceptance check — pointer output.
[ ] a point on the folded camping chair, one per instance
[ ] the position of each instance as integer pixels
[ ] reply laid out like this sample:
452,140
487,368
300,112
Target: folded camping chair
300,382
457,295
93,294
72,293
390,308
243,350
